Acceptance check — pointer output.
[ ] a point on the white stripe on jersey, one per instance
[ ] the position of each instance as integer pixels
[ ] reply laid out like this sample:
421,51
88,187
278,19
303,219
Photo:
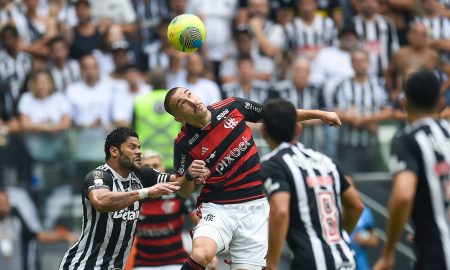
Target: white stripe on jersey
303,205
436,192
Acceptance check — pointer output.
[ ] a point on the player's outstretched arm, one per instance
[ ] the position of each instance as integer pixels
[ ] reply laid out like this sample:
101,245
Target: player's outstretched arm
330,118
105,200
197,173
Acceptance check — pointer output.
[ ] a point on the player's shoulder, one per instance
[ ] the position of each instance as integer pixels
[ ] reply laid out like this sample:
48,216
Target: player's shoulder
101,172
228,102
276,155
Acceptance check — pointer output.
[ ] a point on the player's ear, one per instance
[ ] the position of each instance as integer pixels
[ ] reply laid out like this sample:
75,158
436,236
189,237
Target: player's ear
114,151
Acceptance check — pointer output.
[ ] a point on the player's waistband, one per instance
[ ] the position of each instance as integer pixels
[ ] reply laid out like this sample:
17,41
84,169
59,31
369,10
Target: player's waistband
248,200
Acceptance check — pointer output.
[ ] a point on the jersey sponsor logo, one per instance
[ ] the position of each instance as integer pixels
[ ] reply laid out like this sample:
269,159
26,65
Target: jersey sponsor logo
232,155
396,165
372,46
182,167
442,168
98,182
168,207
213,155
126,215
319,181
231,122
222,114
193,139
252,107
270,186
156,231
204,150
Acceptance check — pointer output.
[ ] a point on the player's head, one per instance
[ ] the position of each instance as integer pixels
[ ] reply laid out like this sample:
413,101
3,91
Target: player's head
274,129
152,159
184,105
5,207
422,92
123,145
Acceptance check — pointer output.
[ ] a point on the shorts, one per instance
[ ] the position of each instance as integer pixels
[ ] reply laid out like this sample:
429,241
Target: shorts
242,229
165,267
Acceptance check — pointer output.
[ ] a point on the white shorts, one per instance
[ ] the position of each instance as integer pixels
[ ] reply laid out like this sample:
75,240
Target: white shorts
240,228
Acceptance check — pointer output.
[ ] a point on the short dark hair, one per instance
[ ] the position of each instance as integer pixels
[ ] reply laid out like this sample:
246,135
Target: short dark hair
168,97
57,39
279,118
244,57
9,29
117,137
422,90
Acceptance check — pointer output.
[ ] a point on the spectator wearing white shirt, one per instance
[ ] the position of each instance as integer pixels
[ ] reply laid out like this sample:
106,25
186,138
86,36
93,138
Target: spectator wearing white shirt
218,16
91,97
64,70
192,77
108,12
123,101
42,109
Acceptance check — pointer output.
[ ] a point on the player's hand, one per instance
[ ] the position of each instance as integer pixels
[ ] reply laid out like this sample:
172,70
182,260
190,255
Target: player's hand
384,263
331,118
163,189
199,171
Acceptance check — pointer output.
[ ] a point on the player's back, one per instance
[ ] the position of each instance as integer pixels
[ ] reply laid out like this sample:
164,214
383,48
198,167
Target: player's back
424,148
316,234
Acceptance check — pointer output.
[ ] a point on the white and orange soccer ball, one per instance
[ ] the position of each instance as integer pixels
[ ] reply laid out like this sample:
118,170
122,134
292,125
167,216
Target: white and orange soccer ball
186,33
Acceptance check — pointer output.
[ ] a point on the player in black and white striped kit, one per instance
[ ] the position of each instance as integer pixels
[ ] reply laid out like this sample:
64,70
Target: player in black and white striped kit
312,205
420,163
111,197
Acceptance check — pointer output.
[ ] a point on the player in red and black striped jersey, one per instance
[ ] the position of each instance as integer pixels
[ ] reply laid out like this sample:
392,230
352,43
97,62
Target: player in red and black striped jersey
232,203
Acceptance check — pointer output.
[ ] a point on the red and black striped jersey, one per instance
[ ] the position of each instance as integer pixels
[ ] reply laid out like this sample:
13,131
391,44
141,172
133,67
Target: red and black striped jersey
227,146
159,231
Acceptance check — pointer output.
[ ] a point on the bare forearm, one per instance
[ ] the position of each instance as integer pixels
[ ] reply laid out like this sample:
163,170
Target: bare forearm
399,213
278,227
303,115
350,218
114,201
186,188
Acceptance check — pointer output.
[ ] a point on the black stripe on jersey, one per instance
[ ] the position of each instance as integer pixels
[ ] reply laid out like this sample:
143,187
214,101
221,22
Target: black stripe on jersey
118,262
111,244
158,218
99,236
158,249
91,232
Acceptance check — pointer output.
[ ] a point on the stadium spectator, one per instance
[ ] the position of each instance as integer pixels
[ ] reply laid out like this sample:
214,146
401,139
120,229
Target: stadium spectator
124,100
193,77
121,59
312,204
247,86
155,126
378,36
42,109
109,12
419,164
16,234
309,32
232,205
417,53
104,54
91,97
177,7
64,70
218,17
299,90
332,9
149,15
361,102
264,66
155,54
12,16
85,36
401,14
111,196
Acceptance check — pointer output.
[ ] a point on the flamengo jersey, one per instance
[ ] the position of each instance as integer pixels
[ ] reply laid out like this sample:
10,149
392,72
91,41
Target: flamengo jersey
316,235
424,148
159,230
107,237
226,145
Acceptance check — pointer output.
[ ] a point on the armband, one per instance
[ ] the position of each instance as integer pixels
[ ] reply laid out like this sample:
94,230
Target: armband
188,177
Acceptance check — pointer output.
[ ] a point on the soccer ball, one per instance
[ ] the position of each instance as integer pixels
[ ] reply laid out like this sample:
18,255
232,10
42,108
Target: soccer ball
186,32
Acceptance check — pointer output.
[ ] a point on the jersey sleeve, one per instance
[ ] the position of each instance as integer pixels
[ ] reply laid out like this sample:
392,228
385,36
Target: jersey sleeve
404,152
250,109
344,182
150,176
181,158
275,177
97,179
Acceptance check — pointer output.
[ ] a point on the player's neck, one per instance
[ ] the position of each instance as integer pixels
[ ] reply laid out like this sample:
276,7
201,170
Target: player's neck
414,117
118,169
201,122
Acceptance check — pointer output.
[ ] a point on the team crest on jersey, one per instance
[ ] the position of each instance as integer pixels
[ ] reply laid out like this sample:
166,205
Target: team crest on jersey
168,207
98,182
97,174
230,122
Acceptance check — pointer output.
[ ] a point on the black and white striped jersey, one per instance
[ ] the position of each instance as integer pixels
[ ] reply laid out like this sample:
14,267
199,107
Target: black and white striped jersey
107,237
149,15
65,76
380,40
316,235
259,92
351,96
310,98
424,148
14,70
304,39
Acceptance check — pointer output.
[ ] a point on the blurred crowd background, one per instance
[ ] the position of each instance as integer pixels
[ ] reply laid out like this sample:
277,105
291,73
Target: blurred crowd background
70,71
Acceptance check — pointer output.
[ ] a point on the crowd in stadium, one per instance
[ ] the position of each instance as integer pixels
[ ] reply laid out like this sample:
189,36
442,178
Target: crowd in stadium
72,70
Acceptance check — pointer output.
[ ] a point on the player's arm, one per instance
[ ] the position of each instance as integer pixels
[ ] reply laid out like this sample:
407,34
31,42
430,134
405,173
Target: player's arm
278,227
352,208
404,168
197,173
330,118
